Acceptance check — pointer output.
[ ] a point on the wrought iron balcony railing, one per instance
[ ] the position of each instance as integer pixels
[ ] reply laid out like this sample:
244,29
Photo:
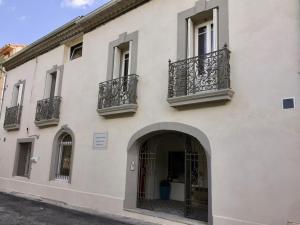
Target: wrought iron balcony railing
118,92
48,110
199,74
12,117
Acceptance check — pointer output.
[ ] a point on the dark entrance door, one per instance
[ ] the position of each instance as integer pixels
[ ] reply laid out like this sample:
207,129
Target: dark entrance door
195,201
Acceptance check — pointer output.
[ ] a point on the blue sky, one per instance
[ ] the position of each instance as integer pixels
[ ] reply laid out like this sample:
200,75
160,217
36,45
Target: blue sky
25,21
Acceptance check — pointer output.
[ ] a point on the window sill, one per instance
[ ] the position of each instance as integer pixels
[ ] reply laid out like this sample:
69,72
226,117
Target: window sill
47,123
12,127
202,97
60,182
116,110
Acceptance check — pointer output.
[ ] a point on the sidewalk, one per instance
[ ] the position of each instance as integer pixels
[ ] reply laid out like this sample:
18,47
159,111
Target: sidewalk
19,211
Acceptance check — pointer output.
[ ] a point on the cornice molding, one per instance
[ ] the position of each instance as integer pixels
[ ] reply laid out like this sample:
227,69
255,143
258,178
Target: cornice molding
74,28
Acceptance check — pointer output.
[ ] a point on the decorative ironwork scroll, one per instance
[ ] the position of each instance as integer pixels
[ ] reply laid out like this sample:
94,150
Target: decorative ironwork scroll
48,109
201,73
118,92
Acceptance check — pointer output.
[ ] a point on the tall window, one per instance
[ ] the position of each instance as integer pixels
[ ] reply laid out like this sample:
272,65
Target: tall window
23,159
64,157
204,38
202,34
51,85
17,94
122,58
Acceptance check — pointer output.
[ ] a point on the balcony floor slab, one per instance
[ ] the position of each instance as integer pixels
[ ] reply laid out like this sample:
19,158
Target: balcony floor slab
202,97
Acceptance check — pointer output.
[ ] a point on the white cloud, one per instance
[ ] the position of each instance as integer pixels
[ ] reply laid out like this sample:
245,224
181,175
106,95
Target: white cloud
22,18
76,3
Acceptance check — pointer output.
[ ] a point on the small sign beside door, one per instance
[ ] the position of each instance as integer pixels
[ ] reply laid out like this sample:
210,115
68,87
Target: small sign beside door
100,141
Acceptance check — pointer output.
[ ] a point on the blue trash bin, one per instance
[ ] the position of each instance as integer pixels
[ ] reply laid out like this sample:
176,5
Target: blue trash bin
165,190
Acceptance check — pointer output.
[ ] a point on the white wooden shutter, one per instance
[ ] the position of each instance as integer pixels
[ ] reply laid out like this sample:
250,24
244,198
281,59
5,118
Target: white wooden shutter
117,60
216,29
190,45
130,57
20,94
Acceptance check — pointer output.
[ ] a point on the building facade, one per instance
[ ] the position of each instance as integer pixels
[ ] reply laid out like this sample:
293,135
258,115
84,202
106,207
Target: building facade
194,116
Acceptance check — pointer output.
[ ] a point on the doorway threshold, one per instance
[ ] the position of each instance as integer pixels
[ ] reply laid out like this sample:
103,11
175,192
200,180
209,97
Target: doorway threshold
167,216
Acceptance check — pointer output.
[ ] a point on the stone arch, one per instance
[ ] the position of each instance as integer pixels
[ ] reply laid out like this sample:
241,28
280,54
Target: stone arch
146,133
54,158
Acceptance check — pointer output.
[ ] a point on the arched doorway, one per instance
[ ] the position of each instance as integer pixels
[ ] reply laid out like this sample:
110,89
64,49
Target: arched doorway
169,171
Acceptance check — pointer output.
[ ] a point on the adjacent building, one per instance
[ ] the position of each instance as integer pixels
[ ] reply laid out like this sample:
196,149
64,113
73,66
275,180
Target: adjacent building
6,52
184,110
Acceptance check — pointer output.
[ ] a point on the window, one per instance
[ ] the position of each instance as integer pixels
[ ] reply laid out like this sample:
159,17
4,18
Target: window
122,58
204,38
23,159
53,82
64,157
76,51
202,34
17,94
216,12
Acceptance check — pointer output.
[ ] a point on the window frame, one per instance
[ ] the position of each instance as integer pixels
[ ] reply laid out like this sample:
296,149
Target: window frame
56,153
58,72
17,98
61,146
75,47
210,42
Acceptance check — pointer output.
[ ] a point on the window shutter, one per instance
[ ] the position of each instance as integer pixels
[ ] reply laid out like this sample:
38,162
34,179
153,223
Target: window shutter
216,29
130,55
20,94
117,60
190,47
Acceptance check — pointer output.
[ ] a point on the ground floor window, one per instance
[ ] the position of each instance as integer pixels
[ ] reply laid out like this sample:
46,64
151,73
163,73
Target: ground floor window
64,157
23,159
173,176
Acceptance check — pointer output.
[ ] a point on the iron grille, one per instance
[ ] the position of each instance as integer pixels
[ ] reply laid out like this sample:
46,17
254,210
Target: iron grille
201,73
48,109
12,116
117,92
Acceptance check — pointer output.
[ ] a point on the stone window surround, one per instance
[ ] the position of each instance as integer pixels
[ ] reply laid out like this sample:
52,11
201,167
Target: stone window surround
55,152
58,86
202,6
20,141
123,38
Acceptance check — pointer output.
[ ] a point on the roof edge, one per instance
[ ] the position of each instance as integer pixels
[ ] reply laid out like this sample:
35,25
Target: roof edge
81,24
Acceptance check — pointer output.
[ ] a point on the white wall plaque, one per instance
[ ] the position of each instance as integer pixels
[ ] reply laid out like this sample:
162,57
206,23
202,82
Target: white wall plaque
100,141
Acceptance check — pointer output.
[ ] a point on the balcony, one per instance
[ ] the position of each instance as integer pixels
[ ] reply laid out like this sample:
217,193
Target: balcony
200,79
47,112
12,118
118,96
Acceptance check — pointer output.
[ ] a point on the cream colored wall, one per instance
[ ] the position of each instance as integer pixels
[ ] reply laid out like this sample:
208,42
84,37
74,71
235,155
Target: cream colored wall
255,144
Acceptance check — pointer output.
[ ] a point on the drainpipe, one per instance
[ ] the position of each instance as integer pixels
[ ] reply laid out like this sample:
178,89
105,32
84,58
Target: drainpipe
2,70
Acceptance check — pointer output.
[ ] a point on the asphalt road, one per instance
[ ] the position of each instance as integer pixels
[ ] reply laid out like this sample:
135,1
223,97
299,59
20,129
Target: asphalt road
19,211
